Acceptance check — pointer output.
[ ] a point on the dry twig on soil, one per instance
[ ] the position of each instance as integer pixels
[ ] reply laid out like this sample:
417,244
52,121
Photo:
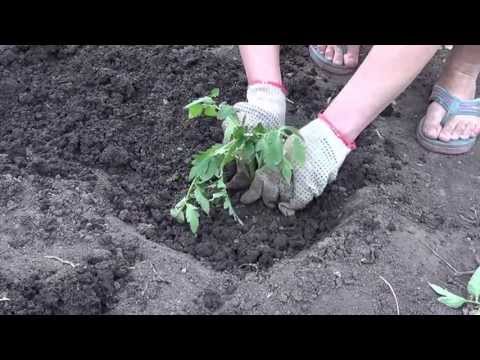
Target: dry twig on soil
62,261
393,292
455,271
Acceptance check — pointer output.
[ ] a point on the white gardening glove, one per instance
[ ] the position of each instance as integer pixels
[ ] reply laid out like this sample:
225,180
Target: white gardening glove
324,155
266,105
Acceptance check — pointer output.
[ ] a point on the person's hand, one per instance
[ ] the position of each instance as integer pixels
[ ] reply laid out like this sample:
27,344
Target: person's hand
325,153
266,105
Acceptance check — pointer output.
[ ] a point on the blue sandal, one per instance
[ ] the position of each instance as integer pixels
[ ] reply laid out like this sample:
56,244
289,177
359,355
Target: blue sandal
454,106
328,65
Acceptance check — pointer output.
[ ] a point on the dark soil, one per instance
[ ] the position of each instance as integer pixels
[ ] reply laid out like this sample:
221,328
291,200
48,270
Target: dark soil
91,133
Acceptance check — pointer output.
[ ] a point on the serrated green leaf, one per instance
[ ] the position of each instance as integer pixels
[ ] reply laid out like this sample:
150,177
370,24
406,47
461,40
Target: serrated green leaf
230,126
195,111
212,170
215,92
202,200
448,298
231,154
199,169
210,110
221,150
192,217
272,152
205,154
474,284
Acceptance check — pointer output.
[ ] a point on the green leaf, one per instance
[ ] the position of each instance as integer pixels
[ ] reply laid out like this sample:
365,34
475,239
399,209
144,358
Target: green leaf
273,149
195,111
227,111
221,185
206,154
230,126
215,92
248,151
232,153
474,284
260,146
210,110
202,200
448,298
199,169
239,133
177,214
212,170
453,301
221,150
297,151
200,101
259,130
439,290
192,217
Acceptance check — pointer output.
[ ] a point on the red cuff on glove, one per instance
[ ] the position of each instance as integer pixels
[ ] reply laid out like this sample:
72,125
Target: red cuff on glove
274,84
350,144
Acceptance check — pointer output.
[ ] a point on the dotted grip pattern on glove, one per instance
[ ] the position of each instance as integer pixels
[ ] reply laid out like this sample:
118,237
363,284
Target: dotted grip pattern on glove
324,155
265,105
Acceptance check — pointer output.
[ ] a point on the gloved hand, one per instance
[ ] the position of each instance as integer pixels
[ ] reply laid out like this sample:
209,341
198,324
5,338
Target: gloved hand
325,153
266,105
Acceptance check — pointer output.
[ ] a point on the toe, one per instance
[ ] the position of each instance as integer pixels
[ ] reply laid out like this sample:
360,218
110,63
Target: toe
352,55
462,130
338,56
471,129
432,129
322,48
431,126
448,131
476,130
330,52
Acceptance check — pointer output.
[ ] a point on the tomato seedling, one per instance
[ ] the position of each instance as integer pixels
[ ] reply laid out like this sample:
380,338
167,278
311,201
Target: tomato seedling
255,148
456,301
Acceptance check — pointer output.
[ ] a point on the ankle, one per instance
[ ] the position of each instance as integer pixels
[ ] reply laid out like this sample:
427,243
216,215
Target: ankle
461,82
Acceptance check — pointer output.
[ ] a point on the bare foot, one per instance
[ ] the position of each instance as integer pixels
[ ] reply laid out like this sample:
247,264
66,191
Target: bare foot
462,127
336,54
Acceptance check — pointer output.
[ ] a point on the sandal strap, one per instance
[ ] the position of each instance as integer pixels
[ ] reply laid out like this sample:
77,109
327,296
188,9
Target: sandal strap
453,105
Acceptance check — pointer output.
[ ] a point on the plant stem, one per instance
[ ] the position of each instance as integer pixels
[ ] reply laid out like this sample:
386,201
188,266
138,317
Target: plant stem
472,302
192,185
